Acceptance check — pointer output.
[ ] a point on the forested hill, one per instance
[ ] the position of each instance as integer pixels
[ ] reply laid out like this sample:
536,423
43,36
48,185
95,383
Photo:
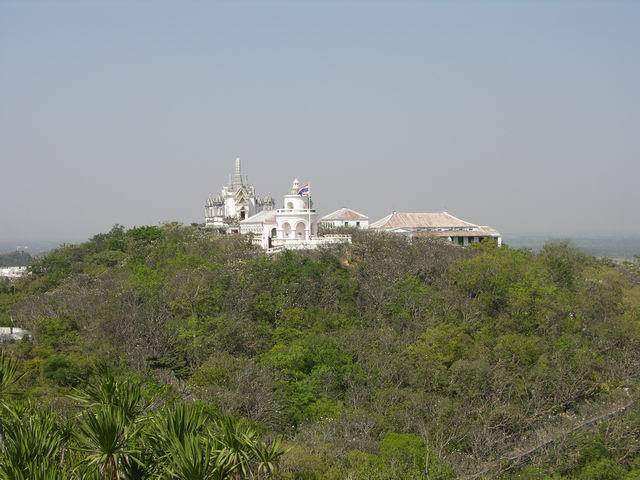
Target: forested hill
383,359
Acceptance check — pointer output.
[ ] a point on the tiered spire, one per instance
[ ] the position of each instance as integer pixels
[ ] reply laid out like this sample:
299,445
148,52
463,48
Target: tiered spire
237,177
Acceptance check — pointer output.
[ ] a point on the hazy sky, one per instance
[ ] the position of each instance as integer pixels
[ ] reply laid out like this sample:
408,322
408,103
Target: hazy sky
523,116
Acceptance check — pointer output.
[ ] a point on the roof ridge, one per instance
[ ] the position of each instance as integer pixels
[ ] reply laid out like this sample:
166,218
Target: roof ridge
382,221
399,220
344,210
263,213
459,219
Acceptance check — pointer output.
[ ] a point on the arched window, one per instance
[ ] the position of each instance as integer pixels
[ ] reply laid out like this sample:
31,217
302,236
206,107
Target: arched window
273,233
300,228
286,229
290,205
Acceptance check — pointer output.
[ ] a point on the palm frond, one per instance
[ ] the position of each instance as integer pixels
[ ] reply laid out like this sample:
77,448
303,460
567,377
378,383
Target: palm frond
8,374
32,446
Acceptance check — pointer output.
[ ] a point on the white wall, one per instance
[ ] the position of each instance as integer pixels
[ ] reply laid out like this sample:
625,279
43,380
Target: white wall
363,224
295,202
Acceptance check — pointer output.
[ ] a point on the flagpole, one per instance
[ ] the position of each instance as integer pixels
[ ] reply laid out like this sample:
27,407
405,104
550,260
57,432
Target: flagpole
309,211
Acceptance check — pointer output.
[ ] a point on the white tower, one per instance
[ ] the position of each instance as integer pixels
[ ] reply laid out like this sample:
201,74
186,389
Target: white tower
296,222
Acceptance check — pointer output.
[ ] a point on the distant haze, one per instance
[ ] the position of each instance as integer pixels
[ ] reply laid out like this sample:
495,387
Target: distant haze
522,116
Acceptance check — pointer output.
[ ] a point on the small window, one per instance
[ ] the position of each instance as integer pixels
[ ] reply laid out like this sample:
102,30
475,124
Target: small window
357,224
346,224
460,240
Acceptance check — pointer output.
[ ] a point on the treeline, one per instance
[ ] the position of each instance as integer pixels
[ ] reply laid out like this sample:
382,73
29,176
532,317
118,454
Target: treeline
18,258
383,359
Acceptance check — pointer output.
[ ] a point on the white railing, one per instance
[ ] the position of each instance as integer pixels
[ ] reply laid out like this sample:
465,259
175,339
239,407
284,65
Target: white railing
295,210
309,243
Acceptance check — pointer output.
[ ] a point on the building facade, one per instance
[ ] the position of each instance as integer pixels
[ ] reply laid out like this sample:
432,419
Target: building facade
345,217
294,226
237,209
236,201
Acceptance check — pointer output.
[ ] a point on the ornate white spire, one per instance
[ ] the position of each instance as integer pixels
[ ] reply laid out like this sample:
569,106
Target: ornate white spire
237,177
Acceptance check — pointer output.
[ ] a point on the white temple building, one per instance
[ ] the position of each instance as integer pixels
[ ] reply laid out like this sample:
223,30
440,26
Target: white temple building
295,226
236,202
237,209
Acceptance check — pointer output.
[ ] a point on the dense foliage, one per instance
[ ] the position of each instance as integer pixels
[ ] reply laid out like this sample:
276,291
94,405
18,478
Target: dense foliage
383,359
116,433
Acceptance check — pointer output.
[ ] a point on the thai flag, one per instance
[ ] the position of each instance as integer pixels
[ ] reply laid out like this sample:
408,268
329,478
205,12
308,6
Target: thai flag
304,190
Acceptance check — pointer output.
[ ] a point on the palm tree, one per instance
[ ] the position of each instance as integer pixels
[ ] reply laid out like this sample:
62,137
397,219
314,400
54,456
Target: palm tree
184,445
116,438
8,374
8,378
196,457
109,429
267,456
237,439
125,395
104,437
34,445
176,422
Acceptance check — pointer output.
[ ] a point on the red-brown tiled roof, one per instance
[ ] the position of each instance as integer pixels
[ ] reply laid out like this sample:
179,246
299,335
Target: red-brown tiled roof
345,214
399,220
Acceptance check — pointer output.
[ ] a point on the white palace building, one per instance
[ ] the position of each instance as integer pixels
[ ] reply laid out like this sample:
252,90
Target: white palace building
294,226
236,201
237,209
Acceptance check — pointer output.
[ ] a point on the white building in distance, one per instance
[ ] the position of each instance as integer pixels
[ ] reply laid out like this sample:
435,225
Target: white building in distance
13,272
295,226
440,224
237,209
345,217
236,202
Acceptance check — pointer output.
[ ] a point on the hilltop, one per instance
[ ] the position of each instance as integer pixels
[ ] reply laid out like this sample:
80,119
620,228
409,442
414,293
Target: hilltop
380,359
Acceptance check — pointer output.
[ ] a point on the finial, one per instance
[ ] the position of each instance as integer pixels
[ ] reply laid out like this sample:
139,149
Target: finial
238,166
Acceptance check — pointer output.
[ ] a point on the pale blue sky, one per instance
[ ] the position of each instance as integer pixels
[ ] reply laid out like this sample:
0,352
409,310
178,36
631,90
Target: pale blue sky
521,115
